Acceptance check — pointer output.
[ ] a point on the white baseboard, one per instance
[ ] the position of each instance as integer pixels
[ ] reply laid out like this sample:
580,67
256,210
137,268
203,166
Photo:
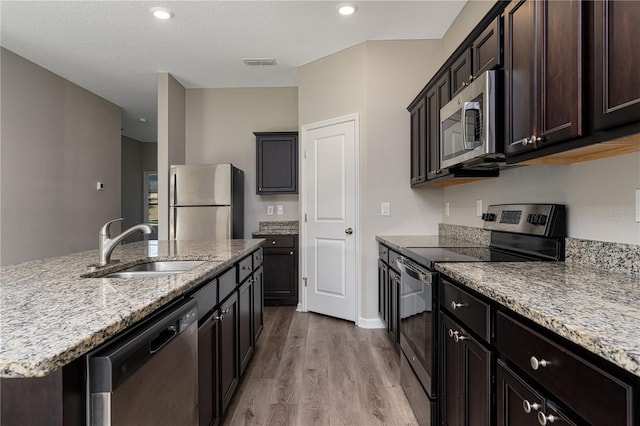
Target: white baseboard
299,308
370,323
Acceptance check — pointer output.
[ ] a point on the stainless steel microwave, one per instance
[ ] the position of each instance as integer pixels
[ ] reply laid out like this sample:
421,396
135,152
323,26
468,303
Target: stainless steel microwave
468,123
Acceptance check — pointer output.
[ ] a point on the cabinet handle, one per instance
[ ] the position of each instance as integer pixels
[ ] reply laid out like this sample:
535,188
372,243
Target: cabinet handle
536,363
435,172
451,332
527,406
455,305
273,242
218,318
291,253
543,419
259,258
457,337
245,268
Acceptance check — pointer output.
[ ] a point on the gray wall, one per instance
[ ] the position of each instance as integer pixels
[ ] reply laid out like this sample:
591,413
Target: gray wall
58,140
171,142
220,126
137,158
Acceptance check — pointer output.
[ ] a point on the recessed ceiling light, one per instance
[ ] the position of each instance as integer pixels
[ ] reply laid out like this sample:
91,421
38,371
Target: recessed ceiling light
142,120
162,13
347,9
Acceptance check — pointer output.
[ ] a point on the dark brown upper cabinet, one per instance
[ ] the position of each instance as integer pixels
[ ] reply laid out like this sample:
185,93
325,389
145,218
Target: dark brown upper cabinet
418,143
616,63
543,47
436,100
461,73
276,162
486,49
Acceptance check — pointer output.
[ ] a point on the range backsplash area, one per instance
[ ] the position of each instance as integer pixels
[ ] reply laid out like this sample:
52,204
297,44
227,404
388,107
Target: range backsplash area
615,257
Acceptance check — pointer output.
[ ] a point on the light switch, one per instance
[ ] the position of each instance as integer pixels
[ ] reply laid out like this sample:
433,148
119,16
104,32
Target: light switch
280,209
385,209
479,208
270,210
637,205
447,209
100,186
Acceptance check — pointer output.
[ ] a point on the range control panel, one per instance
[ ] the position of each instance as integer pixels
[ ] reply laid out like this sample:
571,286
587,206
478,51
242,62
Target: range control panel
548,220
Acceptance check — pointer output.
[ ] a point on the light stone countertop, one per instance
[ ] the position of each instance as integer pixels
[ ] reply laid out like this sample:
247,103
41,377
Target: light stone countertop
397,242
51,314
593,308
289,227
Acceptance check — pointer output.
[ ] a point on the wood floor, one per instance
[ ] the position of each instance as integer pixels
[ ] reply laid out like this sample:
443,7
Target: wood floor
309,369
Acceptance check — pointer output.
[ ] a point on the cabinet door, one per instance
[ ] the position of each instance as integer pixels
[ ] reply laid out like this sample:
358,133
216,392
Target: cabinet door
258,304
520,90
461,72
486,49
517,403
560,71
208,391
418,143
383,272
229,332
280,276
245,324
616,63
276,162
450,375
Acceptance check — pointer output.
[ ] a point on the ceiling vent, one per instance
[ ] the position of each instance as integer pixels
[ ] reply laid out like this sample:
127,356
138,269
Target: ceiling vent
255,62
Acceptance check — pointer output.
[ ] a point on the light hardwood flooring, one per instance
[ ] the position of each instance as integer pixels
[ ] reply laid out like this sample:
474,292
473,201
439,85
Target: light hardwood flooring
309,369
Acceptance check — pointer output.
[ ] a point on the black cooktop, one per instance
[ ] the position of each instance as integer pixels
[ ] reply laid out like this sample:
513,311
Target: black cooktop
427,256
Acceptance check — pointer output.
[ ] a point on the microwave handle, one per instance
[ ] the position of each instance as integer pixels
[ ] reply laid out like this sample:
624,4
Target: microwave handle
474,106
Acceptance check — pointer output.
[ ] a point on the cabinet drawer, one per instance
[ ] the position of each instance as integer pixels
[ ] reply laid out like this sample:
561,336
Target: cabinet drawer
594,394
471,311
257,259
393,259
245,268
207,298
226,283
383,253
279,241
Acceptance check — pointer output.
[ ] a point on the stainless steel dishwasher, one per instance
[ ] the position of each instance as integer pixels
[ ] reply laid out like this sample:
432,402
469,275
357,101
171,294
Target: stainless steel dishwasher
150,375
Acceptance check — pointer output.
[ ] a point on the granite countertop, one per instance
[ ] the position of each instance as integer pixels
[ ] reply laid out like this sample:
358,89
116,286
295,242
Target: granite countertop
289,227
51,313
593,308
397,242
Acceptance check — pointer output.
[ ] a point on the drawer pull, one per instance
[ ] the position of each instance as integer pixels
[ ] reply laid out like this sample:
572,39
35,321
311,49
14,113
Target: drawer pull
451,333
245,268
455,305
535,363
527,406
259,258
273,242
543,419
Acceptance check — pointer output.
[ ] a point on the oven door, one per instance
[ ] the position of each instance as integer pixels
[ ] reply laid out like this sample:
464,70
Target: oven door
417,320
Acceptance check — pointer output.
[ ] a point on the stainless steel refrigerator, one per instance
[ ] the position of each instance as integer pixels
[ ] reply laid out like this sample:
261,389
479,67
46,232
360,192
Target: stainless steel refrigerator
206,202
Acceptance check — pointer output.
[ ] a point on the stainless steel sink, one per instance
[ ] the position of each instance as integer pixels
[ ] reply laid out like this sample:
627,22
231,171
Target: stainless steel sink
156,269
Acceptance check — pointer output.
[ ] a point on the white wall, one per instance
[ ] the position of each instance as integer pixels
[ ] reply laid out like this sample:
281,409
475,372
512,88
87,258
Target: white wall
599,194
58,140
171,142
378,80
219,129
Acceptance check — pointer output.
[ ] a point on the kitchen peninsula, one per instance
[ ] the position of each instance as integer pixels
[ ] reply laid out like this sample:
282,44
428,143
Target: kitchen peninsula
53,311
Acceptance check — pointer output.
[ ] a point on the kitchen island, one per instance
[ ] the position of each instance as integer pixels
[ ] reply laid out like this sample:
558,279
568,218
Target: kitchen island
52,311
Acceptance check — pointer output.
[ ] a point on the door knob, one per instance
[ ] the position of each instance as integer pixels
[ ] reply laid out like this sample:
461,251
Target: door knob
348,231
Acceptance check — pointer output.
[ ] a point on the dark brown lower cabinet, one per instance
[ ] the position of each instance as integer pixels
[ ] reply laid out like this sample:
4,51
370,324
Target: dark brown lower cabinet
519,404
280,265
208,380
229,359
394,303
258,303
383,292
245,322
465,385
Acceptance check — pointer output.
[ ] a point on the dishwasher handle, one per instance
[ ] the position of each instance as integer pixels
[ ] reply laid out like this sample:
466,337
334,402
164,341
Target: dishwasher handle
112,365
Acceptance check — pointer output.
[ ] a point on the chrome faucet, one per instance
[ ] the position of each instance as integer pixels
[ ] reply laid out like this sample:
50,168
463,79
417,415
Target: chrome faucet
108,244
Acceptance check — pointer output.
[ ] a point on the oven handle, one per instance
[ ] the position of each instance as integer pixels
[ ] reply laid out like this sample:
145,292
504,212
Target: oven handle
412,270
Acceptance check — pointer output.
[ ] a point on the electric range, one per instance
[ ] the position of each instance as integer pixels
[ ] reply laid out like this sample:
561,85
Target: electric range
519,233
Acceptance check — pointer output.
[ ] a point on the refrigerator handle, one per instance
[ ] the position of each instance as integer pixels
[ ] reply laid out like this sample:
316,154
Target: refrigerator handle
174,193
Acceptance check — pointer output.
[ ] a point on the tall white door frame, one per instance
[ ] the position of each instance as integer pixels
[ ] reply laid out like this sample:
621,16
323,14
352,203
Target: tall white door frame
355,118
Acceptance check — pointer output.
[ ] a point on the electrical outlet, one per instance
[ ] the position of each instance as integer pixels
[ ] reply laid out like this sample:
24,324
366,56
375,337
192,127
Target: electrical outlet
280,209
447,209
99,186
637,205
385,209
479,208
270,210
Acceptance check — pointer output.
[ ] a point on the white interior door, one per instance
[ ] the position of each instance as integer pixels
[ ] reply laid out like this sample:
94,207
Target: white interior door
330,204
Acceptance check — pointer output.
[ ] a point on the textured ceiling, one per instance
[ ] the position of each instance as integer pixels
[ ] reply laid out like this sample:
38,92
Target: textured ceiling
115,48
